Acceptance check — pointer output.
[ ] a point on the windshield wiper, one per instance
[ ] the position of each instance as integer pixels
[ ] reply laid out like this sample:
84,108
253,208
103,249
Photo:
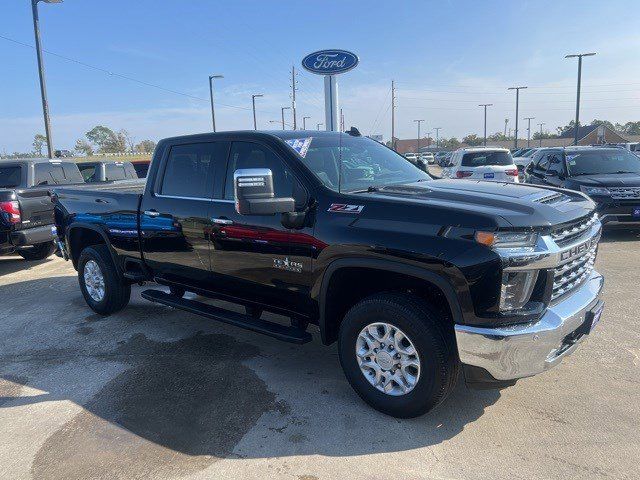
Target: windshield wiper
369,189
586,173
624,171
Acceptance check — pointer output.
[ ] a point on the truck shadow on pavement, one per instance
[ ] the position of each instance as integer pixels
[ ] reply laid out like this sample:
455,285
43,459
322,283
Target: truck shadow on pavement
13,264
166,392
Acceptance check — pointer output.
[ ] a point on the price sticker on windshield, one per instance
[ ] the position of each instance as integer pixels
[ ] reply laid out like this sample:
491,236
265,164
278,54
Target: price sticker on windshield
300,145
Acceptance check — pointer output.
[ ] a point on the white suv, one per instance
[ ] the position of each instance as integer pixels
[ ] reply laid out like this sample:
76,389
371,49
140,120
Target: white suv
482,163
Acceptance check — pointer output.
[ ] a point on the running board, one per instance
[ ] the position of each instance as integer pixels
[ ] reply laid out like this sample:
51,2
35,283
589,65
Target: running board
275,330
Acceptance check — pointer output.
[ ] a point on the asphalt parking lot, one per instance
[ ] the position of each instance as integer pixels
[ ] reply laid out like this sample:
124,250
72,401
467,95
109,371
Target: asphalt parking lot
157,393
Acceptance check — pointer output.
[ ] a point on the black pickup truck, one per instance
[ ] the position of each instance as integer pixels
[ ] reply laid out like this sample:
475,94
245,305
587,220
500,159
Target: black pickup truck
26,211
416,279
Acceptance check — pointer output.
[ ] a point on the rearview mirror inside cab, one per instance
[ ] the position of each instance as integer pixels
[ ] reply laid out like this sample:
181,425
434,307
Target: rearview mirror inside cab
255,194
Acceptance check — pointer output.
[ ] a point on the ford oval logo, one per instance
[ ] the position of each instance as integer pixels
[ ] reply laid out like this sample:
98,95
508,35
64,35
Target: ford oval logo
330,62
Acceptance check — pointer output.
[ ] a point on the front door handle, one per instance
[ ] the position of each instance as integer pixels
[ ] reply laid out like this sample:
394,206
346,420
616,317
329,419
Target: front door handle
222,221
152,213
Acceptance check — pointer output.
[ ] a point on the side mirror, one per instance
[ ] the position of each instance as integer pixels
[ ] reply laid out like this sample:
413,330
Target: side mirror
254,193
529,168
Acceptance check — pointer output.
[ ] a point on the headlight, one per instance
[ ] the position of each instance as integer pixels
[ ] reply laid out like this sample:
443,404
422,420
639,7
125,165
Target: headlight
516,289
519,240
597,191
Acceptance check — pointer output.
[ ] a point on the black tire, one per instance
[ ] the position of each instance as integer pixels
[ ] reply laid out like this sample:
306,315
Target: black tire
39,251
116,290
432,337
177,291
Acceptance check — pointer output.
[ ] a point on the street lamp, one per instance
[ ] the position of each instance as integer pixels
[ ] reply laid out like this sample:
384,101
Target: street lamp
253,102
43,87
304,122
540,125
485,105
517,89
213,115
319,125
577,124
437,129
529,130
282,112
418,122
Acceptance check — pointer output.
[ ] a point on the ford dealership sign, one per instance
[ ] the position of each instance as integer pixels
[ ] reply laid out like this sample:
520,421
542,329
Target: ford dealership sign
330,62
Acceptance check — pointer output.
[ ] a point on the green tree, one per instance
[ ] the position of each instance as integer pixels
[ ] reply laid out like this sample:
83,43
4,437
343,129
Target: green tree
84,147
606,123
146,146
39,141
473,140
631,128
497,136
108,141
452,143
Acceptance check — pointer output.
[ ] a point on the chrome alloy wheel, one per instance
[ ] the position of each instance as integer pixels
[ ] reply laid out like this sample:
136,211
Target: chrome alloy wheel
388,359
93,280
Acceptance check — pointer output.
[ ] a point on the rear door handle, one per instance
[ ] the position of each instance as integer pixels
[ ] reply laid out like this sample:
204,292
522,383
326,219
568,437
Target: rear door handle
222,221
152,213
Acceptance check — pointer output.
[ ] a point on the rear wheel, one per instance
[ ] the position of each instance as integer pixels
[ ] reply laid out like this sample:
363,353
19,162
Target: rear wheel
39,251
397,354
104,290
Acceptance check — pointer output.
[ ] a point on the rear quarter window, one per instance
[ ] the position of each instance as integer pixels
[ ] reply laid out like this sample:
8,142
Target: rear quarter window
10,176
483,159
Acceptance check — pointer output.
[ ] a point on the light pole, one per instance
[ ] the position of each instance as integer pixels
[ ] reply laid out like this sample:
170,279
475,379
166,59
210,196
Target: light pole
43,87
540,125
304,122
517,89
319,125
253,102
577,124
485,105
418,122
437,129
529,130
282,112
429,137
213,115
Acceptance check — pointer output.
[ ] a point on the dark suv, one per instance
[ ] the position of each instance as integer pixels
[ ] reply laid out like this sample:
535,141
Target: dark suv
609,175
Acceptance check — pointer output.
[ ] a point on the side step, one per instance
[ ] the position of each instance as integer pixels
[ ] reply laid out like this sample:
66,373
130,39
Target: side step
281,332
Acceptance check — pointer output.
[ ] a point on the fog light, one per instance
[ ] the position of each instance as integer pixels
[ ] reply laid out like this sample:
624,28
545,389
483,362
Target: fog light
516,289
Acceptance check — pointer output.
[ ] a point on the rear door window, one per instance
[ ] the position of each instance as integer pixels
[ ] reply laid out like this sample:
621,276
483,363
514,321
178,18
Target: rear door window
191,170
483,159
10,176
56,174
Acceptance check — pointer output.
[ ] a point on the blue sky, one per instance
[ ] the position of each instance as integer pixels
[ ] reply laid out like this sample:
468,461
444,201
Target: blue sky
446,57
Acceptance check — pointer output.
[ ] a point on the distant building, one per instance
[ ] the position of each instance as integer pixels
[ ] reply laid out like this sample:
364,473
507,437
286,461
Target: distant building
592,134
411,145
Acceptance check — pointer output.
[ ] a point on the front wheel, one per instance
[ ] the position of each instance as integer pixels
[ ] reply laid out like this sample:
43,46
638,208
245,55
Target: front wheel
398,354
39,251
104,290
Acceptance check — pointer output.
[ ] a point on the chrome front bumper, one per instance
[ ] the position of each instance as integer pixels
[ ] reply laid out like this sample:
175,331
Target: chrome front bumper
519,351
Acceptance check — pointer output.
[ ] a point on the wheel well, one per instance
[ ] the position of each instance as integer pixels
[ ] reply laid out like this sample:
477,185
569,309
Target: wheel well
79,239
349,285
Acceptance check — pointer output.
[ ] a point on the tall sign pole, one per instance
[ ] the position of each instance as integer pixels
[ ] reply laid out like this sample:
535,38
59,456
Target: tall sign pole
393,115
293,96
330,63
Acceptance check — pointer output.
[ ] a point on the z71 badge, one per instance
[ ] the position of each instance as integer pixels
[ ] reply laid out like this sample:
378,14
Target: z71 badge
342,208
286,264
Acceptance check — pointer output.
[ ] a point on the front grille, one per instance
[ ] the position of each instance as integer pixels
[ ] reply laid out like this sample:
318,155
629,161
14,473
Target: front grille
570,232
625,193
574,272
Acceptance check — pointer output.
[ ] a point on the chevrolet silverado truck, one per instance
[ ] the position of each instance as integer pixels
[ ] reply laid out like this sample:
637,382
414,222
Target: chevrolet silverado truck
26,211
416,279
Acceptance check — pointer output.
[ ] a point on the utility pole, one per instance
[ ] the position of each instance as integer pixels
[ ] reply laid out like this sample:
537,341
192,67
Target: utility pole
577,123
253,101
517,89
293,96
213,115
429,137
304,122
485,105
541,124
341,120
319,125
43,86
506,121
418,122
393,115
437,129
529,130
282,112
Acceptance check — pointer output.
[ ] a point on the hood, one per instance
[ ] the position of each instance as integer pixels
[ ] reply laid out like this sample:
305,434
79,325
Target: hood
608,180
510,204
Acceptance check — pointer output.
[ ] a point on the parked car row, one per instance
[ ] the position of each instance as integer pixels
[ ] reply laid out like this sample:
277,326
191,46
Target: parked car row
26,211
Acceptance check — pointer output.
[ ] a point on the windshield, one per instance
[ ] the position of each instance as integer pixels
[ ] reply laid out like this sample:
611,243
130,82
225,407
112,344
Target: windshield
365,163
10,176
484,158
595,162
